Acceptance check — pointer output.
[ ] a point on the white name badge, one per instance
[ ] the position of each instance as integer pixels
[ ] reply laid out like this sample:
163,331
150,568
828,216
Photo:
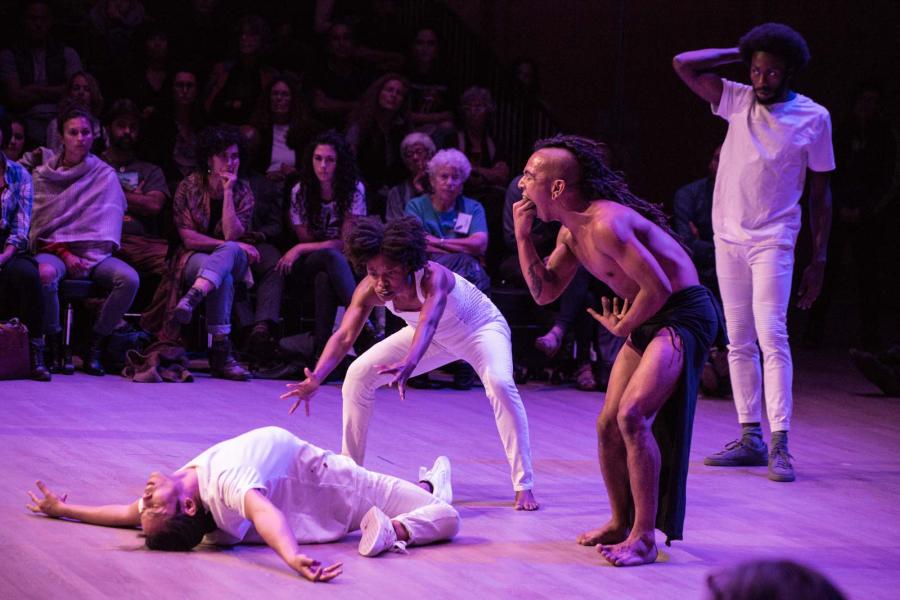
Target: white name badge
463,222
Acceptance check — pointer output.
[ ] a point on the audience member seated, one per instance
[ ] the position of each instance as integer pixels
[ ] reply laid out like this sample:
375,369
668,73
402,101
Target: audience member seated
285,128
148,82
692,221
20,283
144,245
212,211
416,150
340,80
379,33
14,145
198,30
76,226
770,580
324,202
430,90
490,172
863,187
235,86
35,69
82,89
173,145
455,225
376,128
107,40
473,137
267,235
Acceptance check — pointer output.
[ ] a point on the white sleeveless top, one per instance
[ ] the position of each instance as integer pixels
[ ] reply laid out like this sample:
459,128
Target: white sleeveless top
467,308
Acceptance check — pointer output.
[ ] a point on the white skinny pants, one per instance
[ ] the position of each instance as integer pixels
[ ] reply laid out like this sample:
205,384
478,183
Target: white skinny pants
487,349
755,282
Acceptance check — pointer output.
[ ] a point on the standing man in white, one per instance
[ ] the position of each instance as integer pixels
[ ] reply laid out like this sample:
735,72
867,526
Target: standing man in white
777,139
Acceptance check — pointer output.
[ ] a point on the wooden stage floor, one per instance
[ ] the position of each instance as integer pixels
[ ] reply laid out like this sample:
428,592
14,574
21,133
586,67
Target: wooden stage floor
97,439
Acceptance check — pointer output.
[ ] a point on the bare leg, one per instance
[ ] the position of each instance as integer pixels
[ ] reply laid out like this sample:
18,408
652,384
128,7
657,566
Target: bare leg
611,450
525,501
651,385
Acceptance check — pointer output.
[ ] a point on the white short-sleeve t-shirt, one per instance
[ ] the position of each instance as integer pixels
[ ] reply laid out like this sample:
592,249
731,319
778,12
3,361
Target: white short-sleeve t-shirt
314,488
763,164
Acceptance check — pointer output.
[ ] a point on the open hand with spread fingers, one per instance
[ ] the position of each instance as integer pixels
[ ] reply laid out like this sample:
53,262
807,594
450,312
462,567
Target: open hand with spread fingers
611,316
50,505
303,391
401,372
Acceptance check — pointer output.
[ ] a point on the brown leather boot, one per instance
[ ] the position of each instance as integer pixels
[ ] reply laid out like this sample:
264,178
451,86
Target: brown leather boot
222,364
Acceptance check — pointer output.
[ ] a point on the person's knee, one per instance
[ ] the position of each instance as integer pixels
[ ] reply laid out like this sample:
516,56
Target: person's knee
127,279
232,248
359,375
48,274
607,426
632,422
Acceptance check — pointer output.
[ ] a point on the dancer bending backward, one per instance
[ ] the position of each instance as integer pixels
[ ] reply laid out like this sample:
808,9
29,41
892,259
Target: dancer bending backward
270,486
644,428
448,319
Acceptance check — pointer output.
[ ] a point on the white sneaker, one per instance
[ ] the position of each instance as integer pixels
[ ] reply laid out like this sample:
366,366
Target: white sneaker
439,478
378,534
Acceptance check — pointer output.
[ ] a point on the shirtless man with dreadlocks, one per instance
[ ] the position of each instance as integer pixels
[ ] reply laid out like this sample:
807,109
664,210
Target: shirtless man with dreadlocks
670,321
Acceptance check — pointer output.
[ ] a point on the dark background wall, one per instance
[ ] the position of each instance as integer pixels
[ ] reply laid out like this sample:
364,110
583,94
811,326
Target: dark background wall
605,66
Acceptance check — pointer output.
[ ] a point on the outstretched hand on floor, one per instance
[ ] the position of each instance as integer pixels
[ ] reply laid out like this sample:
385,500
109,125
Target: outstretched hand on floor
49,505
313,570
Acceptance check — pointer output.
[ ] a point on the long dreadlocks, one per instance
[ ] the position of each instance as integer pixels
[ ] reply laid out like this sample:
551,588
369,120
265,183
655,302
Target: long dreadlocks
598,180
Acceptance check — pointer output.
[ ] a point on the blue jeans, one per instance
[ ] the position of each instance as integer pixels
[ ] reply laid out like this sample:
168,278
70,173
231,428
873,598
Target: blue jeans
225,265
112,274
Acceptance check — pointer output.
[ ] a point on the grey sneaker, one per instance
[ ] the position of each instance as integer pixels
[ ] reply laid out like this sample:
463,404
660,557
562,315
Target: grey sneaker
780,468
738,454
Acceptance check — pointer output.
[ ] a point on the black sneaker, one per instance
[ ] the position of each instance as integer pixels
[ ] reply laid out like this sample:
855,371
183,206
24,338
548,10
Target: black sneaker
780,468
739,454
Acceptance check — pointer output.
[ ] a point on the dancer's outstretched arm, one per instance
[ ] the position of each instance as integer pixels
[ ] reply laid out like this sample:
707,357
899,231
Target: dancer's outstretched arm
109,515
336,348
272,526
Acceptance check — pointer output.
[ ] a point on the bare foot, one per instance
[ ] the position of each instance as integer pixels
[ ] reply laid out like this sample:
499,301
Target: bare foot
636,550
610,533
525,501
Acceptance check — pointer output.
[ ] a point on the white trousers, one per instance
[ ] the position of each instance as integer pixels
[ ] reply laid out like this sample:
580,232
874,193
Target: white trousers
487,349
755,282
426,517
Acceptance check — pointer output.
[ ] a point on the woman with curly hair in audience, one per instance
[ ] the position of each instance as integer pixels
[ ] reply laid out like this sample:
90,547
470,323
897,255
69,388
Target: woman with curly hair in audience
323,204
212,211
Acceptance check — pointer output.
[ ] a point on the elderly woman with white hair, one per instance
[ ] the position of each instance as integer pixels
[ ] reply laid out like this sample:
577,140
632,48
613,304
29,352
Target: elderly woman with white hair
456,226
416,149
